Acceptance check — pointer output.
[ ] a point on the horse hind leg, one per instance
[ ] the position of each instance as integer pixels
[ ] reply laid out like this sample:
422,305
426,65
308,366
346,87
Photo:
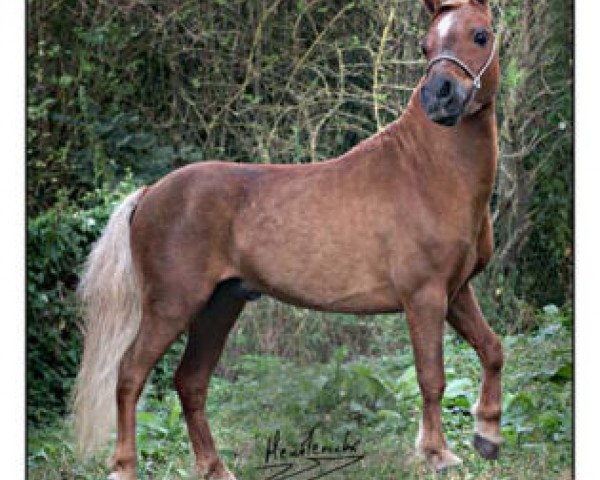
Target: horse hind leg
164,318
206,339
465,316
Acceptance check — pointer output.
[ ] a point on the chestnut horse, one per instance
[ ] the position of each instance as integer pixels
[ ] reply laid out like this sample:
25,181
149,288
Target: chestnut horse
399,223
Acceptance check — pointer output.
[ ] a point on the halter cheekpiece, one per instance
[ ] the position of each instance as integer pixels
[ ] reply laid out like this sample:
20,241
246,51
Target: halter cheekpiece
476,78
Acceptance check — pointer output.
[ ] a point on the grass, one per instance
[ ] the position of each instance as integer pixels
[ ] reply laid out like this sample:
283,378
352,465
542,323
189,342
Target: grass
373,397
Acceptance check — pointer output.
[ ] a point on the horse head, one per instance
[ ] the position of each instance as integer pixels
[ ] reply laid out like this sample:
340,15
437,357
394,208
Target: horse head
463,70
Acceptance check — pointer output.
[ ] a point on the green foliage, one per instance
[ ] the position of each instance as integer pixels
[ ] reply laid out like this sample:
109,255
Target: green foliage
375,398
83,129
513,75
533,203
271,327
58,241
536,412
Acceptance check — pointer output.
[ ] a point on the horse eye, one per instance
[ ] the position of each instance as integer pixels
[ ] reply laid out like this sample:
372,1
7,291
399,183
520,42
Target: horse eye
480,38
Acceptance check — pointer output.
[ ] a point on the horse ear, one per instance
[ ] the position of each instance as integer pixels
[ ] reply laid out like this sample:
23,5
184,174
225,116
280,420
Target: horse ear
432,5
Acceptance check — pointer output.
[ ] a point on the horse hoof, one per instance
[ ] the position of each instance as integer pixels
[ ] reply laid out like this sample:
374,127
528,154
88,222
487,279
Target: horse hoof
442,461
487,449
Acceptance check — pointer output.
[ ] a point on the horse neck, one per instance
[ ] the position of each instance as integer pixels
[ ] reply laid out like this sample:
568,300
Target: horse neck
466,152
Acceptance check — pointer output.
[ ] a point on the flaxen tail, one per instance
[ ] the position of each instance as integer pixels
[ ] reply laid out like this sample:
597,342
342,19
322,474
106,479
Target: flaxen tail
111,303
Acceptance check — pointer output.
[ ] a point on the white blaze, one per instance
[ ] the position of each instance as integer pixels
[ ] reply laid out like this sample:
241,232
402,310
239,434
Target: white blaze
445,25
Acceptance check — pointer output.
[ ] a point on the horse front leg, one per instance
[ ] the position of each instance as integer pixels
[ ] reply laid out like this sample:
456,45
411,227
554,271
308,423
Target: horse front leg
465,316
425,312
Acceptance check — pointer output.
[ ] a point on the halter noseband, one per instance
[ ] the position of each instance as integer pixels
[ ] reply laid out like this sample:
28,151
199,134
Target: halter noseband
476,78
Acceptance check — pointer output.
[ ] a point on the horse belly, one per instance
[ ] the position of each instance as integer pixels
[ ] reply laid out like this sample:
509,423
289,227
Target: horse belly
321,277
379,299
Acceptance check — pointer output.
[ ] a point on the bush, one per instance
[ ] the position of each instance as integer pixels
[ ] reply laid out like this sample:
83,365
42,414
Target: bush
58,241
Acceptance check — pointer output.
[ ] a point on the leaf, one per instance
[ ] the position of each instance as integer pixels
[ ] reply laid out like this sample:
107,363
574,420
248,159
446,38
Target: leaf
522,402
174,418
407,383
513,74
340,353
550,422
563,374
146,418
389,415
459,387
124,141
551,309
65,80
377,385
362,370
462,402
549,331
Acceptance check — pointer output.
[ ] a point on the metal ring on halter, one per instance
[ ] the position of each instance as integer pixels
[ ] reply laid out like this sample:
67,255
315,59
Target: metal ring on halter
461,64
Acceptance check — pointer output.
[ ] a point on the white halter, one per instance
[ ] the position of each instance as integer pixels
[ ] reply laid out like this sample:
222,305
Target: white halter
463,65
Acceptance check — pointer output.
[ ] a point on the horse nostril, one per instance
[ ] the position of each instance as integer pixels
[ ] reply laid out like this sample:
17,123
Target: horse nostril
445,89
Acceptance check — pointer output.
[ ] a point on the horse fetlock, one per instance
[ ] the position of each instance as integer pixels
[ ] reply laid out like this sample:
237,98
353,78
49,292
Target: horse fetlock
489,411
123,466
488,429
487,438
432,453
487,422
436,454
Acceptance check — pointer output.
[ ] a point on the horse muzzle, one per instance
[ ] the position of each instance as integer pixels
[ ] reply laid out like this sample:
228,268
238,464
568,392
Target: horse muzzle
444,100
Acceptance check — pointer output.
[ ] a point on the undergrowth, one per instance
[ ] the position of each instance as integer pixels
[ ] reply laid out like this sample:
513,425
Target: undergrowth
375,398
